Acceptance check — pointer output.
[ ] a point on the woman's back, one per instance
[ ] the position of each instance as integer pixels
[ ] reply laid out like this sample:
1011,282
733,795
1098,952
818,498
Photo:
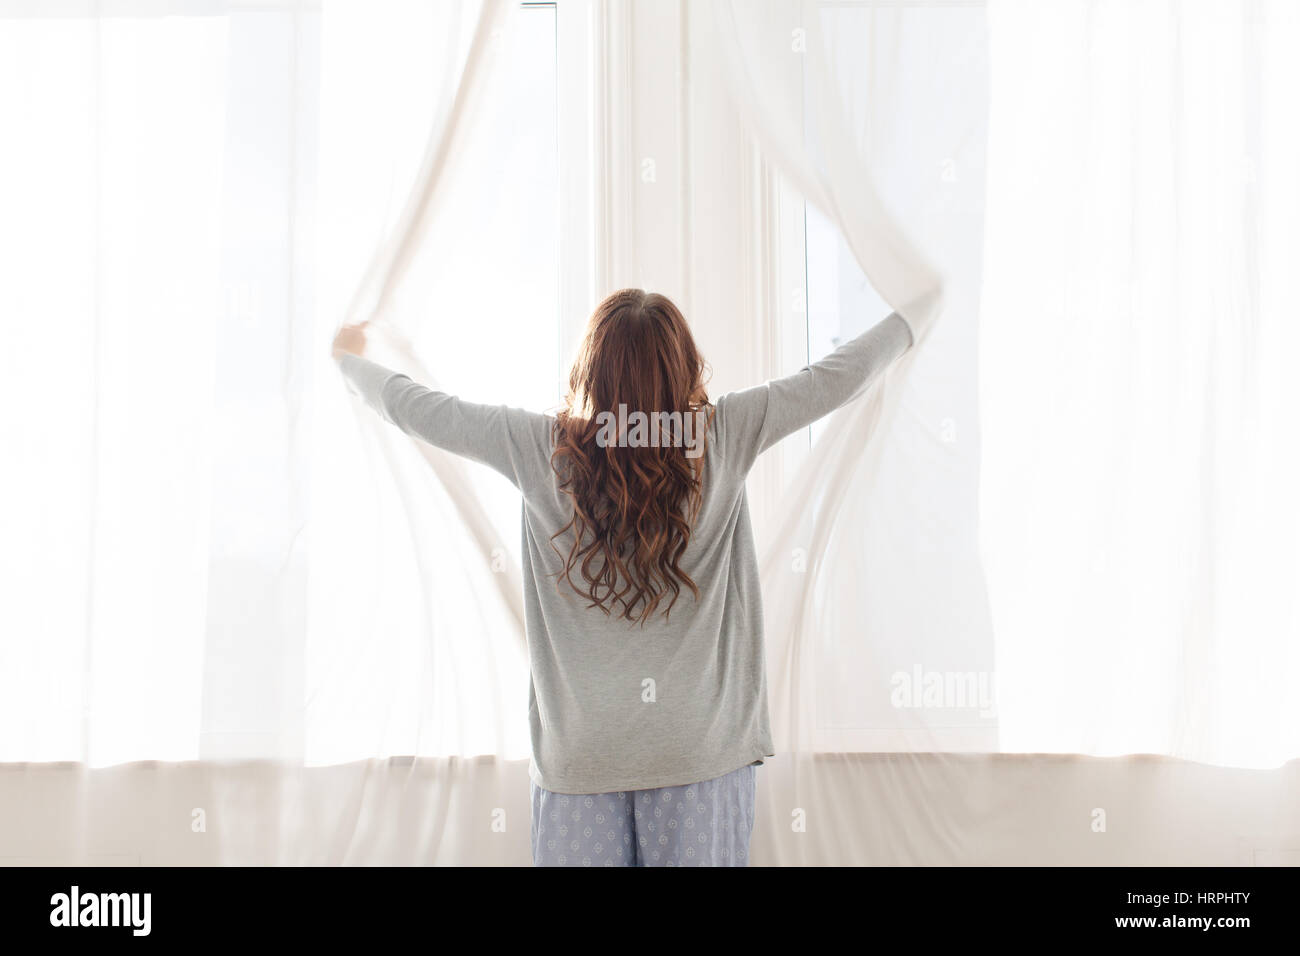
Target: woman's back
678,697
675,696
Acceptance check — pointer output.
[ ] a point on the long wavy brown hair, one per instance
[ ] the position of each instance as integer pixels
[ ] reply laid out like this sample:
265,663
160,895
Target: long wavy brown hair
633,506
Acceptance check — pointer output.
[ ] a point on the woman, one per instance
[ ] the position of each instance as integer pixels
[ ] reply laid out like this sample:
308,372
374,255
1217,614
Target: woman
648,700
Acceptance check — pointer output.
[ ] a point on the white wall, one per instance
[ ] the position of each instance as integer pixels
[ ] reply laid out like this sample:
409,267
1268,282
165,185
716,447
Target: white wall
999,809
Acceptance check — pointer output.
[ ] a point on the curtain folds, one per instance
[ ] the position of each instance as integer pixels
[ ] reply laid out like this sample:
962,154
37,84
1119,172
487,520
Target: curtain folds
843,100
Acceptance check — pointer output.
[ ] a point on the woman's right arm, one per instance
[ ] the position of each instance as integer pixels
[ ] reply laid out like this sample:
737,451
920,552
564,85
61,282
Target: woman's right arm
755,419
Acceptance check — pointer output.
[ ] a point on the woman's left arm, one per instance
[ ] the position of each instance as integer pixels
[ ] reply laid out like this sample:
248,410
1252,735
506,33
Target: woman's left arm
513,441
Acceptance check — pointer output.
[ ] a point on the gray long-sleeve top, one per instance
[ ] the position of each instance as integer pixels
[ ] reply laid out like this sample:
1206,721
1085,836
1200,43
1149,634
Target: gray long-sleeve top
613,705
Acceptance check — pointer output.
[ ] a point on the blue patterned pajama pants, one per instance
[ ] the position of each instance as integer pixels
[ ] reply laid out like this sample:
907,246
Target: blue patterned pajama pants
696,824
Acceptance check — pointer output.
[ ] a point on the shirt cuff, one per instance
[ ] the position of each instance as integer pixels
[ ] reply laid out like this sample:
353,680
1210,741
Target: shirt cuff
911,332
368,377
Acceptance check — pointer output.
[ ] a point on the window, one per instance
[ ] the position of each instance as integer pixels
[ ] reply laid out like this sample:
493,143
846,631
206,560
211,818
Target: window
925,483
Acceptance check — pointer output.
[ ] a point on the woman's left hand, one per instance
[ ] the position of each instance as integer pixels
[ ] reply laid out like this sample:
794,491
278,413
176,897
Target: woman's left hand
349,340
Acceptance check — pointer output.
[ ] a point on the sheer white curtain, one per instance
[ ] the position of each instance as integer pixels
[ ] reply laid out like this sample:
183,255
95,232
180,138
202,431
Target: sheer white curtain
872,585
212,569
1136,378
212,551
1094,417
436,548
